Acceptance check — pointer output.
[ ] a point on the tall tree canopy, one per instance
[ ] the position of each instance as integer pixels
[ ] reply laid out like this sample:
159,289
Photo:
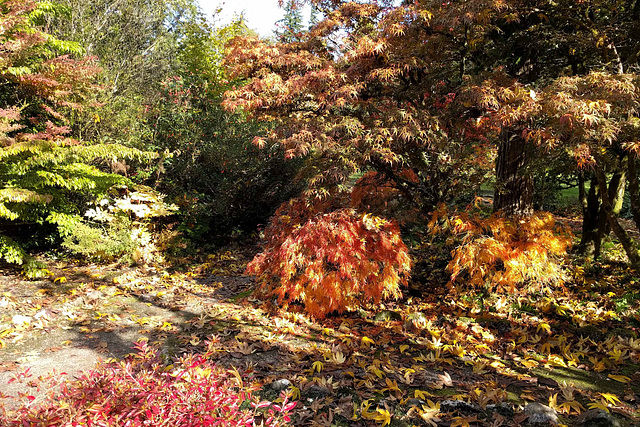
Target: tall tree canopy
427,93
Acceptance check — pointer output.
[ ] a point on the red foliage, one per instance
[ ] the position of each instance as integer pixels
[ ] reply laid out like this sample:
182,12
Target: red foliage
38,76
376,193
331,261
143,391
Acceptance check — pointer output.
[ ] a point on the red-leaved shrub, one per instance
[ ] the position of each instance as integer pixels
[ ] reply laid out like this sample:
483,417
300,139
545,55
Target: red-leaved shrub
331,261
142,390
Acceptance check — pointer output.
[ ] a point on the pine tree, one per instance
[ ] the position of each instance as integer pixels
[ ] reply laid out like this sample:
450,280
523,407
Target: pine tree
290,27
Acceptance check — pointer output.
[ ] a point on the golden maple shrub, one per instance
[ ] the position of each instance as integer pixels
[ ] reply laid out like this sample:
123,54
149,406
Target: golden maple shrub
330,261
503,253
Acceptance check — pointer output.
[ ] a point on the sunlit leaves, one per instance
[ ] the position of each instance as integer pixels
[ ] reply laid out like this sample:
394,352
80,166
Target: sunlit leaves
380,415
331,261
190,392
526,250
620,378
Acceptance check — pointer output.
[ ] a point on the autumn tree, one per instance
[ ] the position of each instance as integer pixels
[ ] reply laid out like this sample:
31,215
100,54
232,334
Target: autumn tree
426,94
596,118
46,177
361,92
223,183
372,101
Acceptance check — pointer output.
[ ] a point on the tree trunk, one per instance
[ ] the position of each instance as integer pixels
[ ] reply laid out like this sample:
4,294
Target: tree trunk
592,230
514,185
634,189
609,208
595,223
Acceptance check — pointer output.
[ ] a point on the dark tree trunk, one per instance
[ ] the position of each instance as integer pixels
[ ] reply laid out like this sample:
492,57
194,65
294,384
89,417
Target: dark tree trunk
514,185
595,224
634,190
592,230
611,208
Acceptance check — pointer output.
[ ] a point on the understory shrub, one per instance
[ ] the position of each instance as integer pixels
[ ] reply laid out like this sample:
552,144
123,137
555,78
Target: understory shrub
500,253
143,391
330,261
222,182
119,226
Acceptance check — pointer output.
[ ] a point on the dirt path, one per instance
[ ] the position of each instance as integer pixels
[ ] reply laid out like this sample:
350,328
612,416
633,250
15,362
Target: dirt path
80,316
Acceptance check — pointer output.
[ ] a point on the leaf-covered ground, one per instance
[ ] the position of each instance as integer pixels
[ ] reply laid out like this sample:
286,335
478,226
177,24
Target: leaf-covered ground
432,359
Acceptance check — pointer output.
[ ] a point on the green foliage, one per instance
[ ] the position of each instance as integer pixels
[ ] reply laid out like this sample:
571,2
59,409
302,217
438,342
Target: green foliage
137,43
220,180
45,176
291,26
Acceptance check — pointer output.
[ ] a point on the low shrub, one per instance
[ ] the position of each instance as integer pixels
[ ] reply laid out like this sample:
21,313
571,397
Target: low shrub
502,254
331,261
143,391
120,227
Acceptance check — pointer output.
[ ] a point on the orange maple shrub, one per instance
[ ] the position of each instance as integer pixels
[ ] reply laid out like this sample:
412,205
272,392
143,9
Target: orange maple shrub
330,261
501,253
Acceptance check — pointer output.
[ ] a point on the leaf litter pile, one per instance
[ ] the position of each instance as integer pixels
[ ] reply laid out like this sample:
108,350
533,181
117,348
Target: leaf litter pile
433,360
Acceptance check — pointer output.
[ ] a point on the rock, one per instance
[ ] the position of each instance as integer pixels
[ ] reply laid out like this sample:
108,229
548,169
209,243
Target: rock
540,414
387,315
280,385
597,418
503,409
20,320
415,402
459,405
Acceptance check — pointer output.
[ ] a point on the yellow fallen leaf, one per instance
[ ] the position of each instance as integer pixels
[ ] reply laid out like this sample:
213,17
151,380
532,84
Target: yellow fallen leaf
384,416
567,407
529,363
610,397
479,367
366,341
620,378
295,393
339,357
392,385
545,326
420,394
459,422
598,405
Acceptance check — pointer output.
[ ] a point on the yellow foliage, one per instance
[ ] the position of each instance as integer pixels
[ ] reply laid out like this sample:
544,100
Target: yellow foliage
503,253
